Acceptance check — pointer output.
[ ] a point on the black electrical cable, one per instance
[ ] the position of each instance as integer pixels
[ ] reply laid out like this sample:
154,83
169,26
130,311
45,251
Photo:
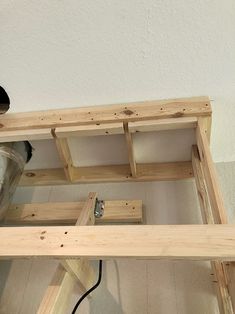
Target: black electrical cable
90,290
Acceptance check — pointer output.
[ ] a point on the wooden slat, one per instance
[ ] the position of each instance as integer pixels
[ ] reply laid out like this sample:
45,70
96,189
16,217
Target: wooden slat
65,156
125,112
223,294
162,125
90,130
125,211
55,300
87,216
198,242
81,271
207,215
230,271
130,150
216,199
25,135
112,173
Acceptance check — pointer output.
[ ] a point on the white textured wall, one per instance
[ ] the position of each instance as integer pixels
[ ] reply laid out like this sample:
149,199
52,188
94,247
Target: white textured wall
76,53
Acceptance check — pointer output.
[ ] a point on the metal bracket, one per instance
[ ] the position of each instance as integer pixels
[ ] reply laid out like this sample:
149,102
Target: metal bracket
99,208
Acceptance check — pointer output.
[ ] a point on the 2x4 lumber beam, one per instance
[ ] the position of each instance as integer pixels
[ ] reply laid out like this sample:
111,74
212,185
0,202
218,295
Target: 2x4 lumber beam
99,129
163,124
90,130
207,215
223,294
65,155
130,149
111,173
55,300
197,242
125,112
123,211
25,135
214,192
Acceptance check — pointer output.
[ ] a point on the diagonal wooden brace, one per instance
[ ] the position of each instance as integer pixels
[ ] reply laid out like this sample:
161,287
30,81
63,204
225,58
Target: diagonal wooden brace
69,272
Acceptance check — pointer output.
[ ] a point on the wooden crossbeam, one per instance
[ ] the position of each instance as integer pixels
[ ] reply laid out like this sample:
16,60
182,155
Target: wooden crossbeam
125,112
99,129
163,124
113,173
125,211
223,295
206,242
90,130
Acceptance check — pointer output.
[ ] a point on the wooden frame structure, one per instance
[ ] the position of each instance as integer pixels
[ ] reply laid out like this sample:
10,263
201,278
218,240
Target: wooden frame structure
214,241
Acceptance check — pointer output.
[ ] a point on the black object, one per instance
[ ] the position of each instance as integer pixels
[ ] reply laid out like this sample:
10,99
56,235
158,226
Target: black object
90,290
29,150
4,101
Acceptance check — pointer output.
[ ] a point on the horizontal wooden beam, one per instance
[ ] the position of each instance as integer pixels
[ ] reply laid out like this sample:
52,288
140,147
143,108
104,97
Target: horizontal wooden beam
163,124
112,173
90,130
197,242
125,211
98,129
25,135
125,112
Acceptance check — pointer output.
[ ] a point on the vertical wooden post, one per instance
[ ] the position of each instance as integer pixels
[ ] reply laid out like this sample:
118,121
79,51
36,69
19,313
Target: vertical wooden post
64,154
129,143
222,291
212,207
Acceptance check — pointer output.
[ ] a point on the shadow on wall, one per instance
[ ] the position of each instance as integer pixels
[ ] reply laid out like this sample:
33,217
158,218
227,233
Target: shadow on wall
104,299
5,267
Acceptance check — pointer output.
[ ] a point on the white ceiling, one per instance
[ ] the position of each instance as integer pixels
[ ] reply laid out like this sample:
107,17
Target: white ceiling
58,54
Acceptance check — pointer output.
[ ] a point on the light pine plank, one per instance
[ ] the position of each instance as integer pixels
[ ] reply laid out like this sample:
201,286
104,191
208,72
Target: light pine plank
58,294
90,130
81,270
214,192
221,285
67,212
55,300
125,112
130,149
206,242
207,215
113,173
65,156
162,125
25,135
87,216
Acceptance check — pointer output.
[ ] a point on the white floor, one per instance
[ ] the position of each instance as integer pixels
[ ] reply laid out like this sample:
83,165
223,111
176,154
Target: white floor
130,287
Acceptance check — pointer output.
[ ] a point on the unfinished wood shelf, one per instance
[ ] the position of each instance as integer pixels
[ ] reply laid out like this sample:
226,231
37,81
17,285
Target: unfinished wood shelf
65,230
